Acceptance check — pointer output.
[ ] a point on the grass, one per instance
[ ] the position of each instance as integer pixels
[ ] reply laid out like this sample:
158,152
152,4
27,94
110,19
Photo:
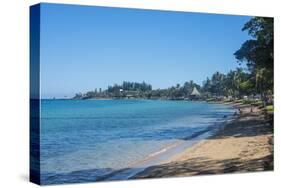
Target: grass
239,101
211,100
258,103
269,109
247,102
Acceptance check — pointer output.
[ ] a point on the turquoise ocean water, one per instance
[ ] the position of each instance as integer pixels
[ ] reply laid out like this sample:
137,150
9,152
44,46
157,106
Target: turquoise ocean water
90,140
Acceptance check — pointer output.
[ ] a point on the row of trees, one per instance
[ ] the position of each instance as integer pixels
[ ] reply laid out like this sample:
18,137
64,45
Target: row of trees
257,53
130,86
236,83
141,90
175,92
256,78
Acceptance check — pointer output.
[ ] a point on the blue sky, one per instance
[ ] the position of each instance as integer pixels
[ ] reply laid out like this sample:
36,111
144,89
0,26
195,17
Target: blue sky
86,47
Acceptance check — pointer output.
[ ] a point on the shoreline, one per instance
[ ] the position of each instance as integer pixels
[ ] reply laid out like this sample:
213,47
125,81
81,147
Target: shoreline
168,151
160,156
231,144
154,158
244,144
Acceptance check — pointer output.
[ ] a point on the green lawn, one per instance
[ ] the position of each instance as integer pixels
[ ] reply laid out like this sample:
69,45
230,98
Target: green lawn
269,109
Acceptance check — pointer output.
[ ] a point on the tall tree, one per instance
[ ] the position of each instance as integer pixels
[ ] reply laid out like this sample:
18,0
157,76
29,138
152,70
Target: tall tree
257,52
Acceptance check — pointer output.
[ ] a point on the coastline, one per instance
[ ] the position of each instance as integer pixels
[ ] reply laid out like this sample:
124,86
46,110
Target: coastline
159,155
244,144
168,151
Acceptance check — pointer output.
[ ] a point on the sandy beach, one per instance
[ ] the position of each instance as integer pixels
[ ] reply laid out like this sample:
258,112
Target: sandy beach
243,145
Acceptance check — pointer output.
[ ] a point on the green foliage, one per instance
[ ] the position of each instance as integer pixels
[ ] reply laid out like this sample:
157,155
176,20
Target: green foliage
130,86
258,51
246,87
269,109
258,54
257,103
235,84
141,90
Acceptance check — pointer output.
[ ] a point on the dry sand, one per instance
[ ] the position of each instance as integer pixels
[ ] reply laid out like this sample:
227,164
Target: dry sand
245,144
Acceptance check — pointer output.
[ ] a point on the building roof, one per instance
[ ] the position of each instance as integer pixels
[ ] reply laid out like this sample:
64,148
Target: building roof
195,91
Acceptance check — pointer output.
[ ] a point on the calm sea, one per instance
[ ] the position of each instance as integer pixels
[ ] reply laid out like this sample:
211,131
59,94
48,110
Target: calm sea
88,140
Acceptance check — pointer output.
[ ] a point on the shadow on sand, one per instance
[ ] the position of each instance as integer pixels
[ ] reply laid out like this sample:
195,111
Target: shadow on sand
248,124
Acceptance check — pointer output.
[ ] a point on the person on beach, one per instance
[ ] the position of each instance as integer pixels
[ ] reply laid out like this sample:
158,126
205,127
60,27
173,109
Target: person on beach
251,108
240,111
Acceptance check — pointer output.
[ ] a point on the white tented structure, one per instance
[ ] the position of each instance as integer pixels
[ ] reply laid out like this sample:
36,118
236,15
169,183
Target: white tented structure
194,94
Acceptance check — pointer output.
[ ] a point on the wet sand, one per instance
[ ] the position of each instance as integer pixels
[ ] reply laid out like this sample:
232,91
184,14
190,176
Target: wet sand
243,145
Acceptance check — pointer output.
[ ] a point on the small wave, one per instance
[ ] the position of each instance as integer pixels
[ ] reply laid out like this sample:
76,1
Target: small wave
163,150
